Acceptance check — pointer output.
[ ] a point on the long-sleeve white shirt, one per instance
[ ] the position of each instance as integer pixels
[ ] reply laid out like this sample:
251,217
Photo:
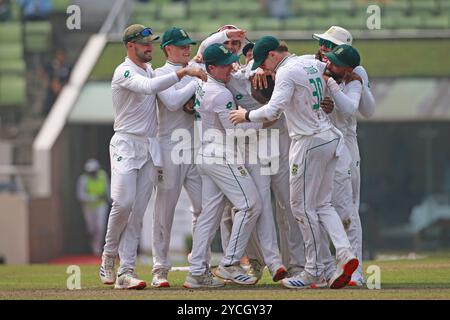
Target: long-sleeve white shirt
298,90
367,102
170,103
346,101
134,98
216,102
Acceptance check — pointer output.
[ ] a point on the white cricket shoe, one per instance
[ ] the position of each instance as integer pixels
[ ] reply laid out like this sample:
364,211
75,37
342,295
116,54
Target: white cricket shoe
304,281
107,274
344,270
160,278
129,280
206,280
236,274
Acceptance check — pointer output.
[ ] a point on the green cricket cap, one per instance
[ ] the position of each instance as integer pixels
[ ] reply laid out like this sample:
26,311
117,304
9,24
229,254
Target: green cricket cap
217,55
344,55
262,48
176,36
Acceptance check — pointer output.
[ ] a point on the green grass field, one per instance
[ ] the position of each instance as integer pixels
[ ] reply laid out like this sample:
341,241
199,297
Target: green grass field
381,58
423,278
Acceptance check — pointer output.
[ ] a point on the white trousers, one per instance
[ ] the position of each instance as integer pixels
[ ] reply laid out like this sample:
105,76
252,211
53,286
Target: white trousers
95,219
132,180
235,183
355,230
172,178
290,238
313,164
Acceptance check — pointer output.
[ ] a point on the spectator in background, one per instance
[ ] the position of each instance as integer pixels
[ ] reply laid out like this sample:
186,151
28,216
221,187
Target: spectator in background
93,193
277,8
35,9
58,72
5,10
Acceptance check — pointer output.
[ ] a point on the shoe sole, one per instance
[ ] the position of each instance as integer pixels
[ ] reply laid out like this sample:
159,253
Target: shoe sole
352,283
229,277
187,285
311,286
161,285
280,274
346,275
139,286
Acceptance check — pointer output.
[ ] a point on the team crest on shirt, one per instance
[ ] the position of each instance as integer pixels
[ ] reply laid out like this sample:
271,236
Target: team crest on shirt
310,70
117,157
126,74
229,105
242,171
239,97
294,170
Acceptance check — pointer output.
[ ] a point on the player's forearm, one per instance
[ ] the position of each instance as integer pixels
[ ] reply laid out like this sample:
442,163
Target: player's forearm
367,103
140,84
218,37
174,99
346,103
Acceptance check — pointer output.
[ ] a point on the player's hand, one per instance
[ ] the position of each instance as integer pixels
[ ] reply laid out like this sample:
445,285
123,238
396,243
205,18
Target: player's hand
195,72
236,34
198,58
325,77
237,116
327,104
259,79
188,107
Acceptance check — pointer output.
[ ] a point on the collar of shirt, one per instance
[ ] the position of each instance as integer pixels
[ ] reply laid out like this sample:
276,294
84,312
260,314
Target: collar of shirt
146,70
174,66
282,62
216,81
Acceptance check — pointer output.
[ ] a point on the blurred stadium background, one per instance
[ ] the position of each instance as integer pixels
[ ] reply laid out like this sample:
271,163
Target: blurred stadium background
54,118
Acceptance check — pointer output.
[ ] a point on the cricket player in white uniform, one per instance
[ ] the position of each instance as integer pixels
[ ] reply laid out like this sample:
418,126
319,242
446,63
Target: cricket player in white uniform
265,252
315,146
328,40
276,163
172,116
223,175
134,152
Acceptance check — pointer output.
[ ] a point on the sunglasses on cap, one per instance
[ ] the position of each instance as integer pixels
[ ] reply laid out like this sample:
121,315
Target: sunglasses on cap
327,44
143,33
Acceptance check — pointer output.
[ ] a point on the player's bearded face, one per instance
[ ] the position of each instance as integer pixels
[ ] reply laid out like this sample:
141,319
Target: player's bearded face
337,73
143,52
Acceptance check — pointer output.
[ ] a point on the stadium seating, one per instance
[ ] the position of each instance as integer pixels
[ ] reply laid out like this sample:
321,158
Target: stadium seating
305,15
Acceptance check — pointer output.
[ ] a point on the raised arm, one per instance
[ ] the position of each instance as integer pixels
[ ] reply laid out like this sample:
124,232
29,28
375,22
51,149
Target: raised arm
367,103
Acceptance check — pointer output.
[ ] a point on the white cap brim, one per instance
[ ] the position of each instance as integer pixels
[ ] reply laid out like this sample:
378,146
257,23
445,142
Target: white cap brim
328,37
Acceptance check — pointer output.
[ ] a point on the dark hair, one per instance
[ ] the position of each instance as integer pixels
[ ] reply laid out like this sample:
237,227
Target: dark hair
282,47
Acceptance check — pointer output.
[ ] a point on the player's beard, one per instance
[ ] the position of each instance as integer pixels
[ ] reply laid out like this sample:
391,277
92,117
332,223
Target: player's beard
335,76
142,56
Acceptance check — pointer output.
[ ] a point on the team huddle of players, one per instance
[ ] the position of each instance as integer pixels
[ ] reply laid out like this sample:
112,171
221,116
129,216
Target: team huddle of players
307,104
